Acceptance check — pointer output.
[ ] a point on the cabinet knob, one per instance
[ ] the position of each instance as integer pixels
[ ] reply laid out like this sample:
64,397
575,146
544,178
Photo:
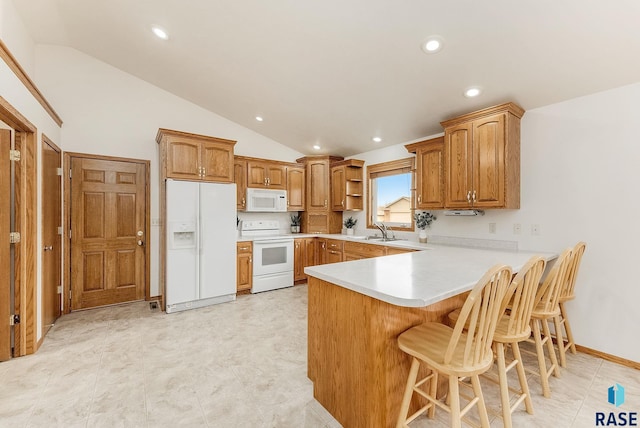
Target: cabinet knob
419,198
469,196
325,202
473,197
48,248
342,203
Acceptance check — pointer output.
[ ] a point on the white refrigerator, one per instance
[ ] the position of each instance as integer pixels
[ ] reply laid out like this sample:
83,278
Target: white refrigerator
200,244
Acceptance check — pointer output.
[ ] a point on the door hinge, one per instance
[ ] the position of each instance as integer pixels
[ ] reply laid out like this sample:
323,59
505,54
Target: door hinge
14,319
69,172
14,155
59,171
59,289
60,230
14,237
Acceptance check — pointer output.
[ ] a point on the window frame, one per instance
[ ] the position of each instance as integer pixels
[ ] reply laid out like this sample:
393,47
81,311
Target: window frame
395,167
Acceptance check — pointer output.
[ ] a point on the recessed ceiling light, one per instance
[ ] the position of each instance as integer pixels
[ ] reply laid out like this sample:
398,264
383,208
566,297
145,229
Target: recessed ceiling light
433,44
316,147
160,33
377,139
259,118
473,91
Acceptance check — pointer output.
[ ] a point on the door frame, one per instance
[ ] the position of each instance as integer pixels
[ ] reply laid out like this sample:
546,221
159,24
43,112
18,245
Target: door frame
26,222
46,140
66,169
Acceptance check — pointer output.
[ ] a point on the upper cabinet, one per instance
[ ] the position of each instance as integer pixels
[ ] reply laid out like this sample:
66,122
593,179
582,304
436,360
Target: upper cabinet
240,178
318,216
482,158
268,175
429,173
347,185
195,157
295,188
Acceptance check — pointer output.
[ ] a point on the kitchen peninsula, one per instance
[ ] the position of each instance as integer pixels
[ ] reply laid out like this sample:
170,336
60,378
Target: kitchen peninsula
357,309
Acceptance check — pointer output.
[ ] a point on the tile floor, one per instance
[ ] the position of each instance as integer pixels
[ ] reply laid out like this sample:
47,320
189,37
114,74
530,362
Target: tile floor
240,364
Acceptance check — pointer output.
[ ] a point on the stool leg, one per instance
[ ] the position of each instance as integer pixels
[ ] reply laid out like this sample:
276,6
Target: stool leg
433,392
552,352
454,398
567,328
542,365
482,408
522,377
558,327
408,393
504,385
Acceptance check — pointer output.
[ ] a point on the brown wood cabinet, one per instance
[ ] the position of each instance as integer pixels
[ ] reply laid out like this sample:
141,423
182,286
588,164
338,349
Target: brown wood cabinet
318,216
244,265
429,173
359,250
268,175
195,157
329,251
304,254
240,178
347,185
482,158
295,188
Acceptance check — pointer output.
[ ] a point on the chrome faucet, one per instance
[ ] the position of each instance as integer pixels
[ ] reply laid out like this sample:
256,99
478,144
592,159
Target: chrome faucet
383,230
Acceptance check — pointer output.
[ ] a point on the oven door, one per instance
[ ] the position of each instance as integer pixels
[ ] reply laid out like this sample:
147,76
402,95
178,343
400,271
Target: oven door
272,256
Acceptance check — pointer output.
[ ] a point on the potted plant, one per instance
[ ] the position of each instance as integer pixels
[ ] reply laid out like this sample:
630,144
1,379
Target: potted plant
350,223
423,220
295,223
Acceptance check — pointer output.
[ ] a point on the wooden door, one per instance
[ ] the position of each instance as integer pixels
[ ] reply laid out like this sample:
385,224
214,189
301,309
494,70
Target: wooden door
5,249
318,185
488,162
295,189
217,162
430,176
51,234
108,216
457,149
240,178
183,160
338,188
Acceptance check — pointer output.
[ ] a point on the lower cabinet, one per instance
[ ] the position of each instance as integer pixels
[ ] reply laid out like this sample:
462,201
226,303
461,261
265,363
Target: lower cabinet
329,251
358,250
244,265
304,254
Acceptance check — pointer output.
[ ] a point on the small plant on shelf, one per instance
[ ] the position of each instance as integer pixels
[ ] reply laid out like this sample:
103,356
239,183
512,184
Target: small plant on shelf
295,223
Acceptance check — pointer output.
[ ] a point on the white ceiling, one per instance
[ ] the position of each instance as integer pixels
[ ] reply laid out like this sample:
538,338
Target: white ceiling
336,73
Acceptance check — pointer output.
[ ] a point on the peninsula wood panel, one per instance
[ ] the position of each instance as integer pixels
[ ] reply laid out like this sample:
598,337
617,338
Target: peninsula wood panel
357,369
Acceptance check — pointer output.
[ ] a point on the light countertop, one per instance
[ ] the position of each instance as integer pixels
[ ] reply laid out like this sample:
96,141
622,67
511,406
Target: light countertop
419,278
401,243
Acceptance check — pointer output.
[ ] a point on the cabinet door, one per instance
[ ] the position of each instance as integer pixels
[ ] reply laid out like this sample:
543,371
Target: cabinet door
457,150
333,256
295,189
276,176
240,178
317,185
488,167
299,249
244,266
321,254
257,174
183,159
338,188
310,253
430,177
217,162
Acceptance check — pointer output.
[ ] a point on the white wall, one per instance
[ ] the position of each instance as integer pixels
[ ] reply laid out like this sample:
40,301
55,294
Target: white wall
109,112
579,174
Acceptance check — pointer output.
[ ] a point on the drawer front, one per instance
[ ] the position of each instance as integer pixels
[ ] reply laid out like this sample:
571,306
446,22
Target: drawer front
334,244
244,247
396,250
364,250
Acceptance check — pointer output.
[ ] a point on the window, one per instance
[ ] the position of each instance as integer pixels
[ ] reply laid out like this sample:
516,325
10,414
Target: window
390,186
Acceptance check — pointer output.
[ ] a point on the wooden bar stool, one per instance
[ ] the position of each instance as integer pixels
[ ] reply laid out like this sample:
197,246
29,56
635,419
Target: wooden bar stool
545,310
568,293
514,327
453,352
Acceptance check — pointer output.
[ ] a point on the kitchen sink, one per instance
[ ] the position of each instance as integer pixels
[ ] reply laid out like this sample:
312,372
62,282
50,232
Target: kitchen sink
380,238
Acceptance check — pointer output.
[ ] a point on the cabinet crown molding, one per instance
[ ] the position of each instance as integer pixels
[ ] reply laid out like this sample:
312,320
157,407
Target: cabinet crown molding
512,108
164,133
413,147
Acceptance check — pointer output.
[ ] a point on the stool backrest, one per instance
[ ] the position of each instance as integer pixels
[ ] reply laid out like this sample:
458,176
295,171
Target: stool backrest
480,312
568,290
521,296
549,291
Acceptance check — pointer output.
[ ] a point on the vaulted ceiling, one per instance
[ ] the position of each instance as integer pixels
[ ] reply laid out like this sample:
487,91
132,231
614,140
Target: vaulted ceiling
337,73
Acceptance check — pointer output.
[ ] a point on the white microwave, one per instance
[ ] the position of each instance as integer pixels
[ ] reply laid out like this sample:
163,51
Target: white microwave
266,200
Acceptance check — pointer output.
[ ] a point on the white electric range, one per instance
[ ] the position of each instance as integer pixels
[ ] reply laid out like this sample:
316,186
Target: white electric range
272,255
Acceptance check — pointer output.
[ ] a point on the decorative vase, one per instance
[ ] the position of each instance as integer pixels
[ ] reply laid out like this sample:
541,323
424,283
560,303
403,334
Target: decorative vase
295,229
350,231
422,237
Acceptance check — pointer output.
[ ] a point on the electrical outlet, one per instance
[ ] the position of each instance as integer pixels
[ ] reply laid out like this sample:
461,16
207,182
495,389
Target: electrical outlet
535,229
516,228
492,228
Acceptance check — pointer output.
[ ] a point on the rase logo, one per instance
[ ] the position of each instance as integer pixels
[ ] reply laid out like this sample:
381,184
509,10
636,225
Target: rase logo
615,396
